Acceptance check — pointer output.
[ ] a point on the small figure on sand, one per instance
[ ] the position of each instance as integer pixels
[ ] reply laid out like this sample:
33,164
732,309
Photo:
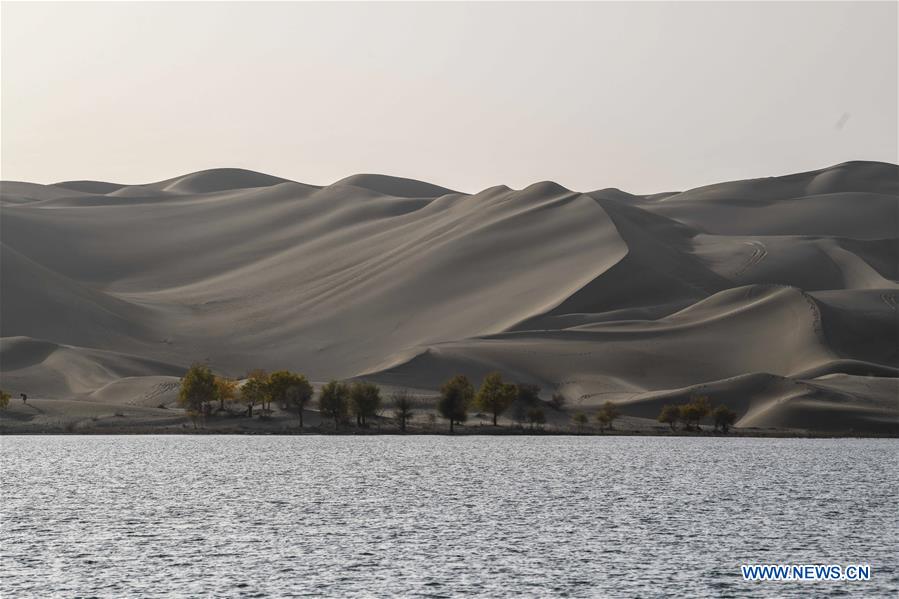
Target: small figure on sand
24,397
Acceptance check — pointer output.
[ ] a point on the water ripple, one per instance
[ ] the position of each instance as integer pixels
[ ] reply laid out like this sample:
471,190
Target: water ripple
440,517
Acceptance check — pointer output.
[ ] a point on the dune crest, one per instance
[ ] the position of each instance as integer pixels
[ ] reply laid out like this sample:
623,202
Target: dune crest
395,186
775,295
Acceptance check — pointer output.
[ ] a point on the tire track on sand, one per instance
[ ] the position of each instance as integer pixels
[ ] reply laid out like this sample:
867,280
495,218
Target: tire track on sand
759,252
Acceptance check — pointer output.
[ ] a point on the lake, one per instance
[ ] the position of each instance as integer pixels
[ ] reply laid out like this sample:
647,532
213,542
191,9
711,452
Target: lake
432,516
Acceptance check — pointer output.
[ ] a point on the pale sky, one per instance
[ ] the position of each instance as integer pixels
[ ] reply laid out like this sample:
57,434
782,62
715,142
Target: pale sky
642,96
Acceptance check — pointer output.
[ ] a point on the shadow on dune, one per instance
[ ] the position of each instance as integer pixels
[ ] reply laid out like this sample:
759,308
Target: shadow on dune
777,295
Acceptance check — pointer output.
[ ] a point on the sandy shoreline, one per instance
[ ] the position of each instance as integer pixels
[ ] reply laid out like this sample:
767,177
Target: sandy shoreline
73,417
459,433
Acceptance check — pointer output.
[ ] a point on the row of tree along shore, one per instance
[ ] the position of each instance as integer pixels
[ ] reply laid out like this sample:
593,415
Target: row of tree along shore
203,394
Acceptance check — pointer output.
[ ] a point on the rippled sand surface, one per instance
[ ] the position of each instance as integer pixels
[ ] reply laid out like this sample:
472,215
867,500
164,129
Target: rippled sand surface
441,517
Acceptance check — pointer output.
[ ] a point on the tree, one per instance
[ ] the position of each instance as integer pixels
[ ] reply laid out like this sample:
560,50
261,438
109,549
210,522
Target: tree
255,391
724,418
670,415
603,419
334,400
194,416
536,417
291,389
494,396
527,396
402,408
557,402
580,420
607,415
197,390
694,412
455,396
261,375
225,390
4,399
527,393
365,401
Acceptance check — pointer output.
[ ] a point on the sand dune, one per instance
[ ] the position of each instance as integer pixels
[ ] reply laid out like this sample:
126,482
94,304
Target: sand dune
395,186
91,187
838,402
47,369
777,295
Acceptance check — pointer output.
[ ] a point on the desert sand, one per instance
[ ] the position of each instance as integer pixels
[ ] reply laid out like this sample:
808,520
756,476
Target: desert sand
776,296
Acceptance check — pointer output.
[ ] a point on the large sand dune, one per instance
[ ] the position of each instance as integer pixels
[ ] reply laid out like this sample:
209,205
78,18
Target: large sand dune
776,296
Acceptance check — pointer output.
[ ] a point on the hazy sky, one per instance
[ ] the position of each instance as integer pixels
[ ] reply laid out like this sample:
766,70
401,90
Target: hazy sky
646,97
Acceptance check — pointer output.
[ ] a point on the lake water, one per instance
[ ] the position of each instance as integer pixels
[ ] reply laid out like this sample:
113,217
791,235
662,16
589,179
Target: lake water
438,517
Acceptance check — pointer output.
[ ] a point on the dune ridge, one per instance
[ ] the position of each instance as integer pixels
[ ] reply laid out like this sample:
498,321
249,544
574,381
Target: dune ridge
778,296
